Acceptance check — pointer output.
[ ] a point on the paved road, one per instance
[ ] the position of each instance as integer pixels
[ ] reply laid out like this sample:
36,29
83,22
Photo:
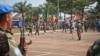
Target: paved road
60,44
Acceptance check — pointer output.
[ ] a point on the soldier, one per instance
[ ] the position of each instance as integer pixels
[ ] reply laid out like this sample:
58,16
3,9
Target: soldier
37,28
53,23
8,46
30,29
54,27
78,26
63,27
70,27
44,27
85,26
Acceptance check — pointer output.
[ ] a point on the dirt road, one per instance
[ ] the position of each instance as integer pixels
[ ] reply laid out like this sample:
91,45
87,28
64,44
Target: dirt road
60,44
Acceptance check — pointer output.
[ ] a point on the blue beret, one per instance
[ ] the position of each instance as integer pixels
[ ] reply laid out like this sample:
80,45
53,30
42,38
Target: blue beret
4,8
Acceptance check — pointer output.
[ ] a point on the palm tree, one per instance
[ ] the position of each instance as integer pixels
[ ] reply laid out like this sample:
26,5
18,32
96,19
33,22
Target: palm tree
22,7
36,11
49,9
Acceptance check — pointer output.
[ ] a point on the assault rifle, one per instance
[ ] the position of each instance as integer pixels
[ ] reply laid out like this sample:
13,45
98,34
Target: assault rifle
22,38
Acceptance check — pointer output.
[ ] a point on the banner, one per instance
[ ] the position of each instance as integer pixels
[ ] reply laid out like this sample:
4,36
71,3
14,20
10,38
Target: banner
77,16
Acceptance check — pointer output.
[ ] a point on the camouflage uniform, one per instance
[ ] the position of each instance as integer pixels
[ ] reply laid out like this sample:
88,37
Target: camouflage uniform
44,27
37,28
63,27
79,28
30,29
53,26
7,44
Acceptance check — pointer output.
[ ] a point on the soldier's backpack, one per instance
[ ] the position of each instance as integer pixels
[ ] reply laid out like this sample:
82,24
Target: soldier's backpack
94,50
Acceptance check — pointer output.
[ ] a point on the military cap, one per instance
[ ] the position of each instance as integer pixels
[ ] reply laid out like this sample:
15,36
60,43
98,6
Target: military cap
4,8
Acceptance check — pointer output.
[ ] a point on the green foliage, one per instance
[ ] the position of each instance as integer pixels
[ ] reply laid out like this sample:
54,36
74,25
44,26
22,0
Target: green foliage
36,11
21,7
24,9
79,4
98,5
48,9
67,5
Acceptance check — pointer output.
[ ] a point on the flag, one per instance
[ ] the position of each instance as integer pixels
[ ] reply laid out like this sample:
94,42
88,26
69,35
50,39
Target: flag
74,17
81,18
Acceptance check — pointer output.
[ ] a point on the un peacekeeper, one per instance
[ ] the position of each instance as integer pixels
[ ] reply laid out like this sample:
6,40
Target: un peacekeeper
78,26
8,47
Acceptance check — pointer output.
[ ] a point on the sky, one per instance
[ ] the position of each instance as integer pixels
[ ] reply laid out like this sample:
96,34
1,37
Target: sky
34,3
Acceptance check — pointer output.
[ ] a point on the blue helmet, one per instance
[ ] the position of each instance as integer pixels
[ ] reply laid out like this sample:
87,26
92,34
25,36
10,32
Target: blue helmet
4,8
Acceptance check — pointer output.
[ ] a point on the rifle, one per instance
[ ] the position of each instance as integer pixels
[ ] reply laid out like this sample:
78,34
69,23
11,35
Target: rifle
22,37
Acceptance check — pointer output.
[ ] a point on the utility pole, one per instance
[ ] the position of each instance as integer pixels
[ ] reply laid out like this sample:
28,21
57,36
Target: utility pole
57,11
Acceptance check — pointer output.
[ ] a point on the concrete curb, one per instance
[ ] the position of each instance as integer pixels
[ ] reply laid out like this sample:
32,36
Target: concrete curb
34,32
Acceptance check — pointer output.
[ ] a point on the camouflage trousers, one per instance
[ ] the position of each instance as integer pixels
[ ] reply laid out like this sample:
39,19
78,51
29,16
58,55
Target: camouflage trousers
79,34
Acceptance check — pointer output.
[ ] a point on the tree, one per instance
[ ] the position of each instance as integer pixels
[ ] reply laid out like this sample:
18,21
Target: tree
36,11
22,7
63,4
98,5
48,9
69,6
